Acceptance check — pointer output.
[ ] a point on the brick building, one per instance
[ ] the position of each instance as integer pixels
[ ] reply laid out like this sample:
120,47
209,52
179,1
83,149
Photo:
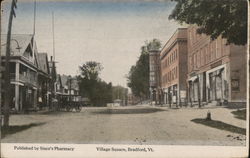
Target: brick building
173,59
216,71
155,76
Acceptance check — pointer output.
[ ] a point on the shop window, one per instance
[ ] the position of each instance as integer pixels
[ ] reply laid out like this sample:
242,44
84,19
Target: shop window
235,83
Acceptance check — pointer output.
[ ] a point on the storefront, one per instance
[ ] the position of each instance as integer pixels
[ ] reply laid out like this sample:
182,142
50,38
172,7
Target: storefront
217,84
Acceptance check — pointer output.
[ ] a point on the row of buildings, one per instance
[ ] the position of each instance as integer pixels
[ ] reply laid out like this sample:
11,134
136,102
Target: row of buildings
193,69
34,79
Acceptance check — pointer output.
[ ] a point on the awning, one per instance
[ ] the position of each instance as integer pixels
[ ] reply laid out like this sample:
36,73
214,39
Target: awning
193,78
17,83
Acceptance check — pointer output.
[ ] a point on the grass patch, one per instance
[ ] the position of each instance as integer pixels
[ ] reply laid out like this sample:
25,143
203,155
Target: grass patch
220,125
240,114
14,129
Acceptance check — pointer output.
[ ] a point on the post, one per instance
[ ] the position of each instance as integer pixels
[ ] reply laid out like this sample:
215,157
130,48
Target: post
0,67
199,98
70,90
7,67
17,94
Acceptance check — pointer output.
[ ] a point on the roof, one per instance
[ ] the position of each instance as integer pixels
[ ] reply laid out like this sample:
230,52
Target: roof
64,79
19,43
65,82
58,79
52,70
74,84
42,60
179,34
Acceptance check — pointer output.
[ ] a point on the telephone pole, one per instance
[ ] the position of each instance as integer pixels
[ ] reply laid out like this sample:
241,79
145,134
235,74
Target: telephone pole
1,68
7,67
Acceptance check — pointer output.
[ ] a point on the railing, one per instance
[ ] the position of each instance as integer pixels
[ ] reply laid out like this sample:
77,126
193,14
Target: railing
28,79
24,78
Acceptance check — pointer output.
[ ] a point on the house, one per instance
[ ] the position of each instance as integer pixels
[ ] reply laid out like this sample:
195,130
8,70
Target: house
44,79
216,70
70,87
173,60
23,70
53,76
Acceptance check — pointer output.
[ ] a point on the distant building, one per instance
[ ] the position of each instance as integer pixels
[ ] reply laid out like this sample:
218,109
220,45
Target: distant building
155,76
69,87
133,100
173,59
120,93
216,71
53,76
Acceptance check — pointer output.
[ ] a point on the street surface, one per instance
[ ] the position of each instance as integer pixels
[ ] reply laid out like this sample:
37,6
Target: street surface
142,124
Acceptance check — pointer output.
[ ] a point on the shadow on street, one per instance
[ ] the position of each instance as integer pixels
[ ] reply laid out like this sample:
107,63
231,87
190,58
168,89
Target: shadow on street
220,125
128,111
14,129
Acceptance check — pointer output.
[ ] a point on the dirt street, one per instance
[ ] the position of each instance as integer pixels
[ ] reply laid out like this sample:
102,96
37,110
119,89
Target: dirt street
126,125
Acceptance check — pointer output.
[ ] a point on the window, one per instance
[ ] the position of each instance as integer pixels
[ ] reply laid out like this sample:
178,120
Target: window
190,37
209,53
199,58
177,72
195,63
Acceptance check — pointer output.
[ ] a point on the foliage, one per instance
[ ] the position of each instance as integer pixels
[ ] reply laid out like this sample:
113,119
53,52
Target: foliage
227,18
91,70
91,86
119,92
138,77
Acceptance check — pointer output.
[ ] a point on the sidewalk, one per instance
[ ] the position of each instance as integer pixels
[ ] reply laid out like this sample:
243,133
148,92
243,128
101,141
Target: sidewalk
220,113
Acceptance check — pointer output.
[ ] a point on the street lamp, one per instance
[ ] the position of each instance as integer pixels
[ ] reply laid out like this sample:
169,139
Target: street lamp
18,46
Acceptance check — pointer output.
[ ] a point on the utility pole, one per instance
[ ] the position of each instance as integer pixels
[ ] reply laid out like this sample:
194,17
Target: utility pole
70,82
53,32
7,67
1,71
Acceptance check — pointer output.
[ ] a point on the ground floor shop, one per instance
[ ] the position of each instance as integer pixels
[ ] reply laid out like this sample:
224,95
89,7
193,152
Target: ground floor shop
174,95
22,97
216,85
156,96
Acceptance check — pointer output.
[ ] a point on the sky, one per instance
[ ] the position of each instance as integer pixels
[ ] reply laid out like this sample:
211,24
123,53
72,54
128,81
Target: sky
107,31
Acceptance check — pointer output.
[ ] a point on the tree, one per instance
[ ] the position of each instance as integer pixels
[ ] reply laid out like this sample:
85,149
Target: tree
138,77
91,86
227,18
91,70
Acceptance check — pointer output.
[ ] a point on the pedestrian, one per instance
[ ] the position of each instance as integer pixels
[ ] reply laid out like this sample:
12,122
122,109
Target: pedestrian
40,101
170,99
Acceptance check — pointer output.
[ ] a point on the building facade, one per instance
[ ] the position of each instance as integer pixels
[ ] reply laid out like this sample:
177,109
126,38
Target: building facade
23,71
216,70
43,83
173,60
155,76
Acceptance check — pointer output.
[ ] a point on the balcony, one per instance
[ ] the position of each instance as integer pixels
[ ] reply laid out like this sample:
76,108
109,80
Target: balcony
28,79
